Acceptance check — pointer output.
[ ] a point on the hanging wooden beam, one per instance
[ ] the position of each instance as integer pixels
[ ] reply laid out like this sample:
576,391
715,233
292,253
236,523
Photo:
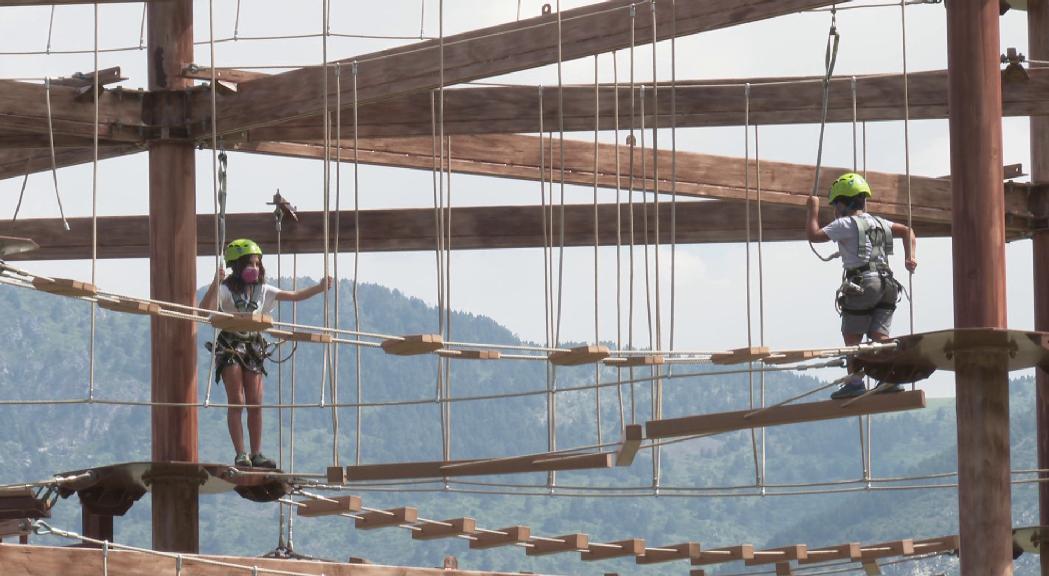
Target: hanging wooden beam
887,550
601,551
721,555
849,551
779,555
700,103
566,543
698,175
483,53
501,537
685,551
412,229
444,529
513,465
386,518
717,423
341,505
627,451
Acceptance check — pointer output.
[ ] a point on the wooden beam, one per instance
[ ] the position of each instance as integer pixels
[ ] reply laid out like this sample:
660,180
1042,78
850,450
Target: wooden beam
473,228
698,175
15,163
700,103
627,451
23,106
887,550
341,505
386,518
717,423
504,537
566,543
721,555
601,551
46,560
779,555
685,551
445,529
483,53
850,551
513,465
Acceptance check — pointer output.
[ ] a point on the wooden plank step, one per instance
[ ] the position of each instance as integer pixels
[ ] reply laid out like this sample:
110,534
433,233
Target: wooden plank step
579,355
790,357
721,555
386,518
65,287
887,550
455,527
413,345
685,551
740,355
635,361
600,551
253,322
128,306
510,536
566,543
295,336
935,545
788,414
342,505
462,354
627,451
850,551
779,555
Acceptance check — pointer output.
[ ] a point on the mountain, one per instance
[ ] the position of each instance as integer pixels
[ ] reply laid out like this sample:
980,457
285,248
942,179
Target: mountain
46,356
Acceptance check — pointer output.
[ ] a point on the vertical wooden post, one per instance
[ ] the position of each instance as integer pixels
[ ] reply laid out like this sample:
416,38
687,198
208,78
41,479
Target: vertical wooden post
1038,49
982,384
97,526
172,251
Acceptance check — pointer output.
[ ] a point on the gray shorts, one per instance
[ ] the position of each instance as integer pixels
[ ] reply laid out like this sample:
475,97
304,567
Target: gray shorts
871,312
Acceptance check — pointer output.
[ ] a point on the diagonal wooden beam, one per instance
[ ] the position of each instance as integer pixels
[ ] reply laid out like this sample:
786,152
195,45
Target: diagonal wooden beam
472,228
492,51
514,109
16,162
698,175
23,107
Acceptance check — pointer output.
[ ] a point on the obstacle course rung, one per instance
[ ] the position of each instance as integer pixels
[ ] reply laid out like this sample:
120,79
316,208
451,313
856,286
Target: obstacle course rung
740,355
461,354
887,550
129,306
627,451
446,529
510,536
720,555
65,287
788,414
567,543
386,518
342,505
850,551
791,356
635,361
295,336
777,555
631,547
579,356
413,345
253,322
685,551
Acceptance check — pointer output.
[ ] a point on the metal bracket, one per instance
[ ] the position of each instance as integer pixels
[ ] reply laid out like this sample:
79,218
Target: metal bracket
1038,205
1014,70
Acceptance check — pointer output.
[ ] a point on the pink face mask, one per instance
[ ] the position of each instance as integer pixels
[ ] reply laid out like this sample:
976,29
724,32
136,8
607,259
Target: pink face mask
250,275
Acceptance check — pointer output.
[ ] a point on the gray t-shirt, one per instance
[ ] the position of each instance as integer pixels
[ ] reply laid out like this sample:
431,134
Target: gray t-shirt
844,231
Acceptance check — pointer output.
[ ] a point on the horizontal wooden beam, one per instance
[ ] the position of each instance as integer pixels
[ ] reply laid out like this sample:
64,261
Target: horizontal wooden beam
698,175
699,103
513,465
16,163
23,107
719,422
472,228
483,53
46,560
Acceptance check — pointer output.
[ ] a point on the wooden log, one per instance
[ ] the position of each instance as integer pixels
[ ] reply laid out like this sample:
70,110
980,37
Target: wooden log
778,555
414,345
788,414
65,287
740,355
600,551
510,536
566,543
128,305
243,322
579,355
850,551
342,505
721,555
685,551
627,451
386,518
455,527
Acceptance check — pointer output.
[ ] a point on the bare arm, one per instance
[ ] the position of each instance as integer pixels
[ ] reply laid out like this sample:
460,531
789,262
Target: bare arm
210,299
299,295
910,245
813,230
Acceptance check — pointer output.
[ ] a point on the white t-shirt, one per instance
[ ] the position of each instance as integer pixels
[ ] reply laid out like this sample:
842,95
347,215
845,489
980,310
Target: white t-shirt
267,299
845,232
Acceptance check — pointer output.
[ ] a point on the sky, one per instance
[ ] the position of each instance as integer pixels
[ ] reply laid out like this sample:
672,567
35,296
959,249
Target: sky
791,303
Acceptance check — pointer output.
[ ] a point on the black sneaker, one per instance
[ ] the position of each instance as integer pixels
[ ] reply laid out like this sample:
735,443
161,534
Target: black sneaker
260,461
850,389
242,460
887,388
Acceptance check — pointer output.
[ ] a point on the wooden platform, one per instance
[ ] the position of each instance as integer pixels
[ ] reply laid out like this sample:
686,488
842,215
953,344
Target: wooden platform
919,355
513,465
789,414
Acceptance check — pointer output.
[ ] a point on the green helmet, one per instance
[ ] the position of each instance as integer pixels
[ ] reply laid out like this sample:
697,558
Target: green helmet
848,186
239,248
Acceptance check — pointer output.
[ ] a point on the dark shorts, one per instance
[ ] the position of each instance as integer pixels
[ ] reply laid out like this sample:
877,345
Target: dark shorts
871,312
248,351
